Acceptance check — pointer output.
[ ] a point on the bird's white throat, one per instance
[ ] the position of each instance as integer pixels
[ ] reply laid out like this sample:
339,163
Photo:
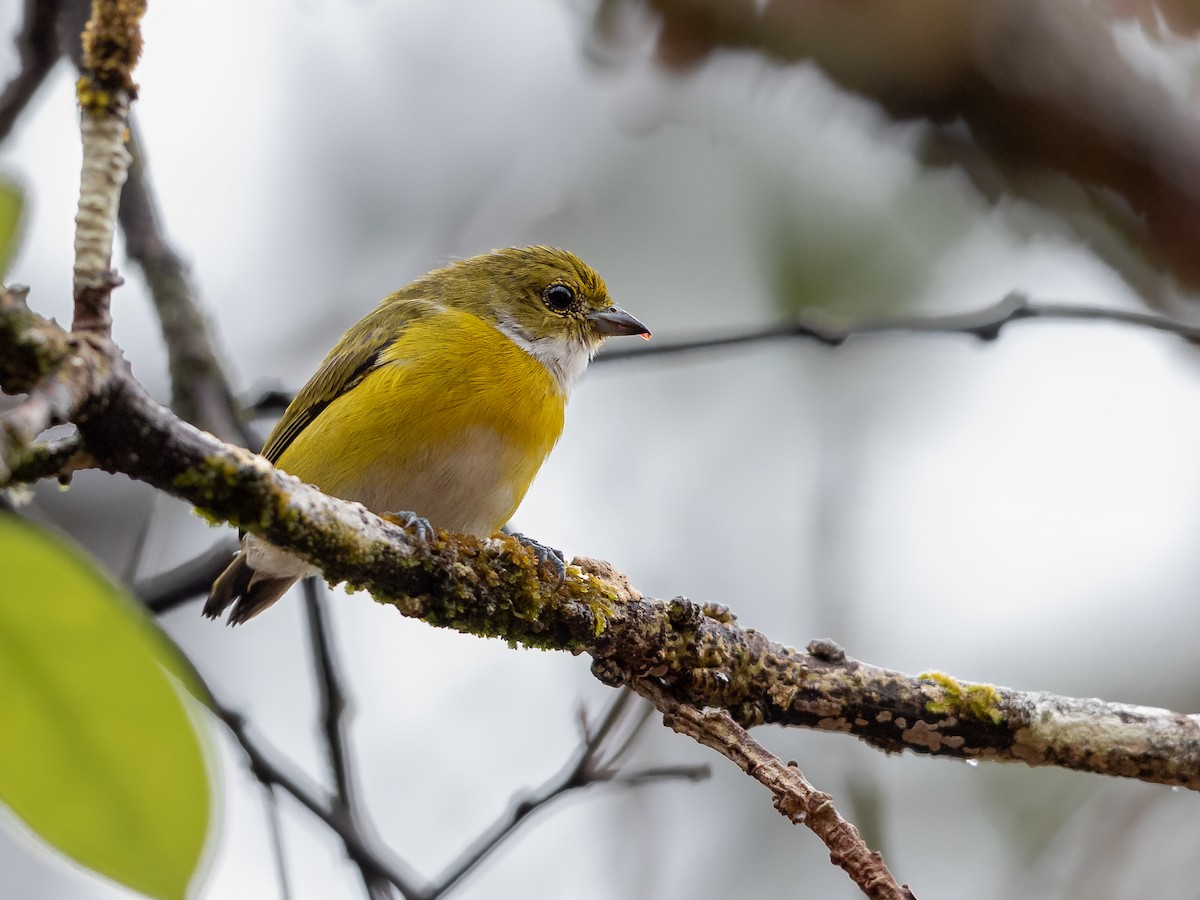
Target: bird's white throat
563,357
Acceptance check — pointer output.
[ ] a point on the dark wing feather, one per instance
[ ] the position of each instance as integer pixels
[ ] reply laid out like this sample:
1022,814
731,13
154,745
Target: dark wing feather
355,355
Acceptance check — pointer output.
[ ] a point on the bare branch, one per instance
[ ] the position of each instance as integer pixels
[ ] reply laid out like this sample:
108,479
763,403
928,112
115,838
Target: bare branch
985,324
335,710
593,764
37,50
795,798
334,704
271,774
275,826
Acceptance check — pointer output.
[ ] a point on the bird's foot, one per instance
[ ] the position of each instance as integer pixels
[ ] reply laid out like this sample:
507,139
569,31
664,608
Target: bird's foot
545,555
411,521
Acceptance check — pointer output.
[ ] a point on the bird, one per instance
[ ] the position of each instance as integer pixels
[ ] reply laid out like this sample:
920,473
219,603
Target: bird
439,406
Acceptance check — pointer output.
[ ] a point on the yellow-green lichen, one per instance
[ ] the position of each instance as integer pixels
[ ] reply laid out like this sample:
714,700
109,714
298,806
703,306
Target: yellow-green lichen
964,700
112,43
602,606
35,348
210,484
92,98
199,480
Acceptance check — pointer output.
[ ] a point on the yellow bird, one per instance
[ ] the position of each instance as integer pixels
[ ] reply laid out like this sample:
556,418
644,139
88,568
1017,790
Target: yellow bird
443,402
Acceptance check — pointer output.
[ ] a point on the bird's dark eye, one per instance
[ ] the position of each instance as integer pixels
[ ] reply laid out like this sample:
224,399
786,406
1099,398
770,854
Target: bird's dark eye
559,297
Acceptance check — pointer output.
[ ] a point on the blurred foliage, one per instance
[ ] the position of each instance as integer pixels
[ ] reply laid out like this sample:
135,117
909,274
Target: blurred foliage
856,259
99,757
11,203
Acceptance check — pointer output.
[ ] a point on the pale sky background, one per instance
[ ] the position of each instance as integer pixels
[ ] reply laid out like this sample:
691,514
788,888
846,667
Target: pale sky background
1022,512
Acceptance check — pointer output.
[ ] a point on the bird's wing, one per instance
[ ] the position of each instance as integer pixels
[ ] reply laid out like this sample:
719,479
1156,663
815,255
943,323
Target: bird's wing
355,355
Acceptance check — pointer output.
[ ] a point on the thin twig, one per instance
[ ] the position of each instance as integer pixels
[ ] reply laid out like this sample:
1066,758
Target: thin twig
58,459
984,324
270,402
334,705
269,772
335,711
37,52
275,827
589,767
795,798
140,541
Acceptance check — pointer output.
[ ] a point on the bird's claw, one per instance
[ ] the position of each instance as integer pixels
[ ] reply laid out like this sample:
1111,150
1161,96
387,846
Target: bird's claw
410,520
545,555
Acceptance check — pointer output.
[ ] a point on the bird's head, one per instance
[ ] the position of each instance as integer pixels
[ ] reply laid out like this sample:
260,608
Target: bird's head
548,301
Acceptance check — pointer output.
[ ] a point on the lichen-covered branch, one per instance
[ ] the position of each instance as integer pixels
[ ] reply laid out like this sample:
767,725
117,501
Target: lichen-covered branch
58,459
112,43
699,654
38,358
795,798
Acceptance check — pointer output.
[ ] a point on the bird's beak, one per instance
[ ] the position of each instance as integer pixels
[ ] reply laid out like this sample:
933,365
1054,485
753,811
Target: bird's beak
615,321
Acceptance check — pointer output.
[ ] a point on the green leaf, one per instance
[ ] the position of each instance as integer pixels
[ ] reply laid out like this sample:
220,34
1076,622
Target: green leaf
98,753
11,202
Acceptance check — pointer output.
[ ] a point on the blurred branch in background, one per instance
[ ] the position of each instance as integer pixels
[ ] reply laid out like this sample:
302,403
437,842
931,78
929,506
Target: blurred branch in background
985,324
37,51
275,774
1040,87
334,704
596,761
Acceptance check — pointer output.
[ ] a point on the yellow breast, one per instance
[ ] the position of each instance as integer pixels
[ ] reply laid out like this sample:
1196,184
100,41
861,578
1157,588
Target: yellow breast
452,425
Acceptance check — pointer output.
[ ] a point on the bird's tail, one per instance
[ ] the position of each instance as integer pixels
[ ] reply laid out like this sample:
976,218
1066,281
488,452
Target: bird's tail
249,591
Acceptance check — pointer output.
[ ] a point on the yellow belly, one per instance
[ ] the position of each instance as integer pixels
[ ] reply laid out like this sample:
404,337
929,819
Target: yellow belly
453,425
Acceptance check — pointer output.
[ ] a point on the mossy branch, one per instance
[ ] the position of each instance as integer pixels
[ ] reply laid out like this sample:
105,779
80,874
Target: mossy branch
697,653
